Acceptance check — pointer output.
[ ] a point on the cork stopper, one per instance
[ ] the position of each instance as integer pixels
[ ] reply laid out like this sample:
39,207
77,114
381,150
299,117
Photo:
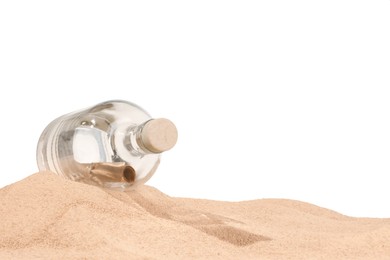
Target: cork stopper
159,135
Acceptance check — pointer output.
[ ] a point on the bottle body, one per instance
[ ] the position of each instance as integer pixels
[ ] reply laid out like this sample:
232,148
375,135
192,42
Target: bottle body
102,145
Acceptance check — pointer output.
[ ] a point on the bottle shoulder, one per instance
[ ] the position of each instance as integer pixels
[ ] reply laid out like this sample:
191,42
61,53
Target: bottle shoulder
117,112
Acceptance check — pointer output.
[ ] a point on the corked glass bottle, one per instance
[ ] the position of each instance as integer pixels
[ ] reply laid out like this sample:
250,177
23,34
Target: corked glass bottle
115,144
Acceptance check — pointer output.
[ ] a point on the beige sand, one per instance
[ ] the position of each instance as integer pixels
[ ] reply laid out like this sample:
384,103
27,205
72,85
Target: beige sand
44,216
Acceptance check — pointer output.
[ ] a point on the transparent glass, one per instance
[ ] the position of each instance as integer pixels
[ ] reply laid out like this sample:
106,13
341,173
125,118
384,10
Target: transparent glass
102,145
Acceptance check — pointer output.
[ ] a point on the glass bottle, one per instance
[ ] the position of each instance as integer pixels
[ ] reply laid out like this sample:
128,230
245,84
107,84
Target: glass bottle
115,144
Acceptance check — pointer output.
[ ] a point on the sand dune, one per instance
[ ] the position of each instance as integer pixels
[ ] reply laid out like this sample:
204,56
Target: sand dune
44,216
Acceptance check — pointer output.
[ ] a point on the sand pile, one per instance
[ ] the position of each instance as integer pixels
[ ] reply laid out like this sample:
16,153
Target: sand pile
44,216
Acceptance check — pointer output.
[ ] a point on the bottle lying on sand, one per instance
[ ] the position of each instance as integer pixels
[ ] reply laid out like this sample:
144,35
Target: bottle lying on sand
115,144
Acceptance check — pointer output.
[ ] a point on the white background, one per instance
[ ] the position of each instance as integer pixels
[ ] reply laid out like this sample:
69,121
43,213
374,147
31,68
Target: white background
272,99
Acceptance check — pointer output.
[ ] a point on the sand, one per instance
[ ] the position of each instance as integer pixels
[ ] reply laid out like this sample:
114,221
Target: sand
47,217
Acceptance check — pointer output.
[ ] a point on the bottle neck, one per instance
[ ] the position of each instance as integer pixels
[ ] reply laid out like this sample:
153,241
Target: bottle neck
134,142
